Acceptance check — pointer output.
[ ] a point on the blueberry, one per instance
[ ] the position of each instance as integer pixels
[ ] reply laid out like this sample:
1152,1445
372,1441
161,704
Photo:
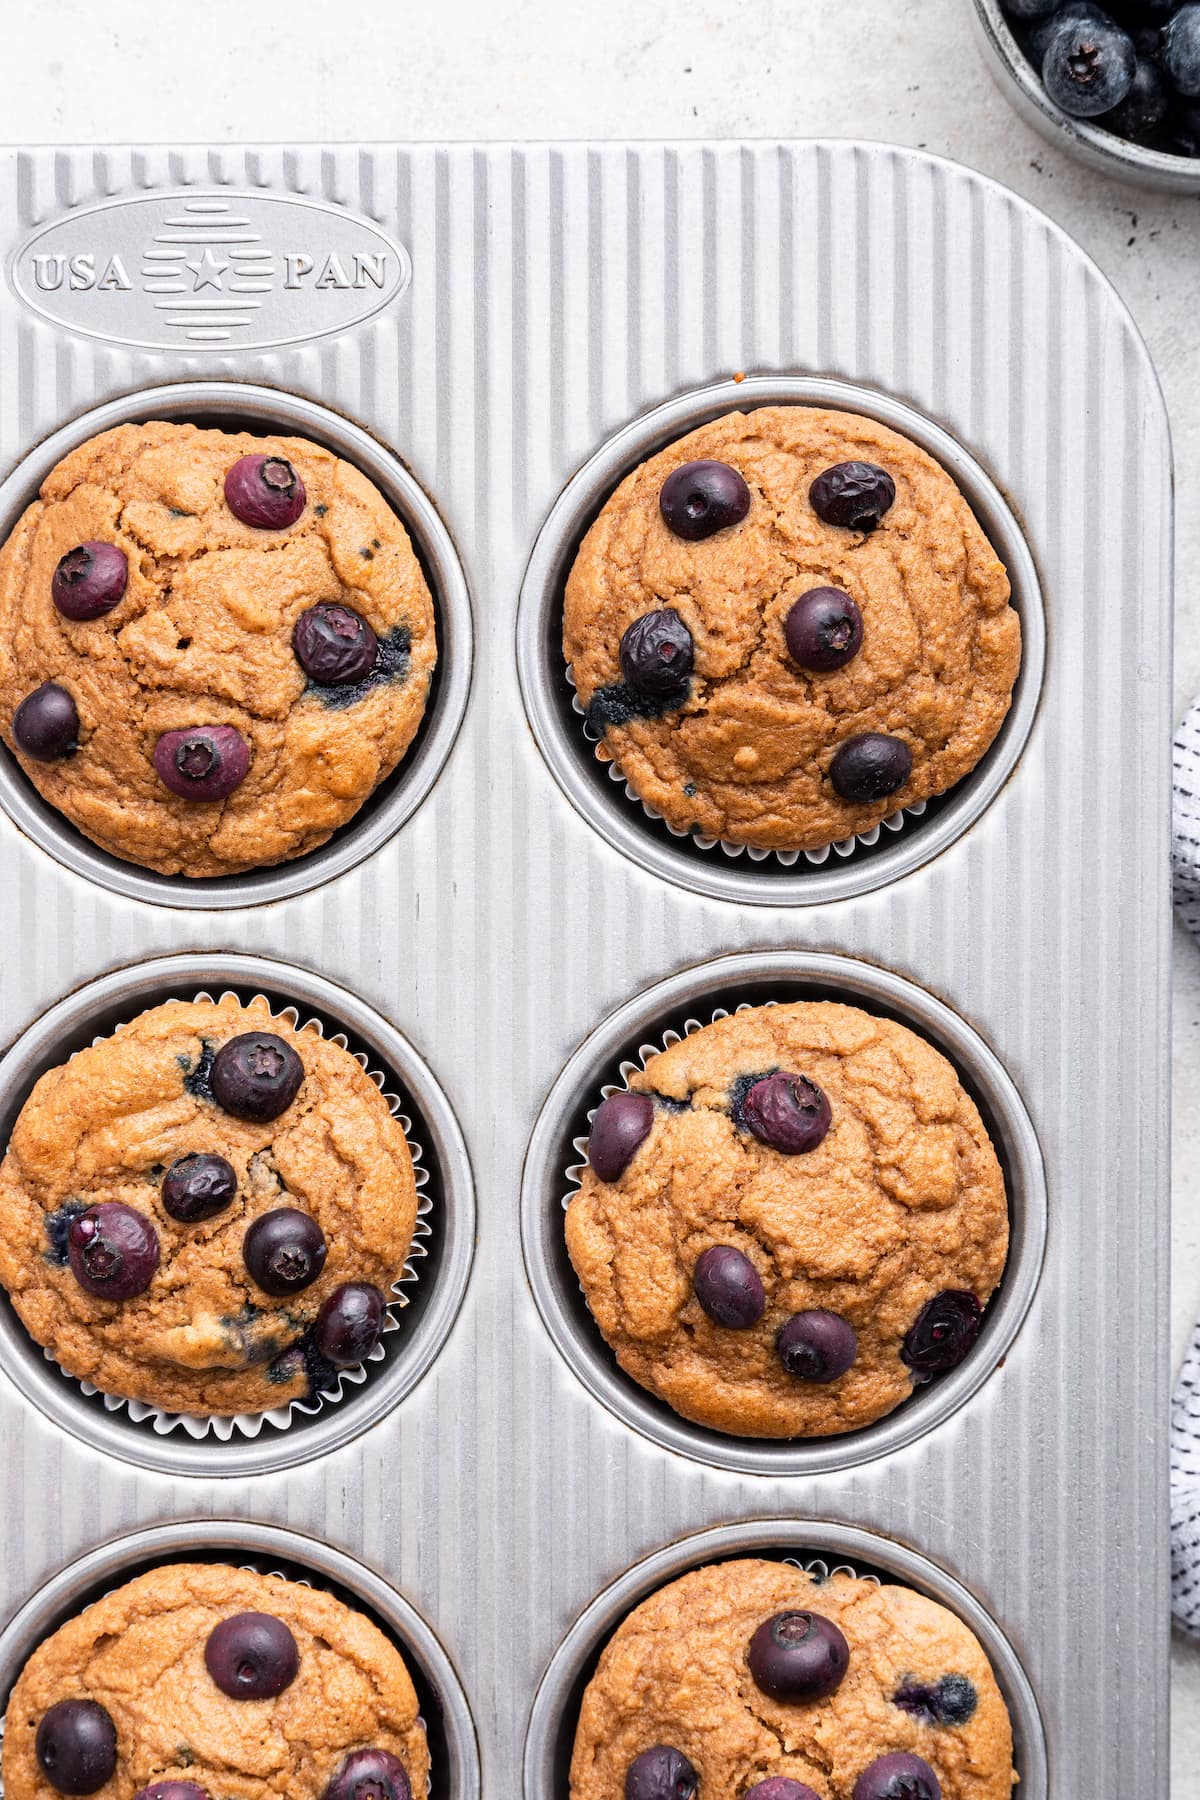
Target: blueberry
855,494
334,645
252,1656
113,1251
702,498
898,1777
660,1774
76,1746
1040,36
256,1076
798,1656
817,1346
781,1787
823,630
1088,67
621,1123
870,767
198,1187
657,653
46,724
89,581
1144,107
1029,9
1181,51
349,1324
265,491
945,1330
950,1701
202,762
728,1287
172,1790
370,1775
788,1112
284,1251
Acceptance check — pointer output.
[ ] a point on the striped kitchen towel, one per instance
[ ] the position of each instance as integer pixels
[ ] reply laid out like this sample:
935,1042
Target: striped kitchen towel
1185,1408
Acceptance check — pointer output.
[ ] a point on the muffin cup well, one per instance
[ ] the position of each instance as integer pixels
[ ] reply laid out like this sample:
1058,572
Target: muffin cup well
270,1550
595,786
555,1712
242,406
420,1312
661,1016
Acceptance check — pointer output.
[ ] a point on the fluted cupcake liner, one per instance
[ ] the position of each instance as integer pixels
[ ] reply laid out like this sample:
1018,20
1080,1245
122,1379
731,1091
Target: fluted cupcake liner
249,1425
784,859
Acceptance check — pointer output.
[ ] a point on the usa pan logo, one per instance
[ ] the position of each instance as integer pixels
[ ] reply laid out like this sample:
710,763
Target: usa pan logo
215,271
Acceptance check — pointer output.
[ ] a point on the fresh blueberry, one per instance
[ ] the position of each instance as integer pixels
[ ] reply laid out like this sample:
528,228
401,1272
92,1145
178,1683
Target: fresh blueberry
945,1330
370,1775
622,1122
1144,107
76,1747
781,1787
870,767
265,491
898,1777
823,630
284,1251
854,494
202,762
703,498
349,1324
113,1251
172,1790
950,1701
252,1656
788,1112
46,724
729,1287
1088,66
198,1187
657,653
660,1774
256,1076
798,1656
89,580
1073,11
817,1346
334,645
1181,51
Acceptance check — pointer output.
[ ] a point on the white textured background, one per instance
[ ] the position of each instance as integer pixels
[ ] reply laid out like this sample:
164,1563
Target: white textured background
904,70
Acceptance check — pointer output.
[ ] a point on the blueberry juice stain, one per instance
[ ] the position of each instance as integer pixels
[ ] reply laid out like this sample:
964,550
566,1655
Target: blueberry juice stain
737,1095
198,1080
617,703
58,1231
391,665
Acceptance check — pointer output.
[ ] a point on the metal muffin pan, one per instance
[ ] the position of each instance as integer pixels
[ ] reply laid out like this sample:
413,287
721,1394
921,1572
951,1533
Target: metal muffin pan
95,1010
1021,83
587,782
695,994
550,299
453,1746
555,1710
247,406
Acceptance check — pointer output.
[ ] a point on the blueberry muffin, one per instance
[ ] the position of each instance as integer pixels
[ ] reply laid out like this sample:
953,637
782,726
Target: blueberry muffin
788,626
200,1682
751,1681
792,1218
206,1211
213,647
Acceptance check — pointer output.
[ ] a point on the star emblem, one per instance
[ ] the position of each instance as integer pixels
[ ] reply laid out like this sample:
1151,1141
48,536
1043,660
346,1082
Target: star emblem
206,269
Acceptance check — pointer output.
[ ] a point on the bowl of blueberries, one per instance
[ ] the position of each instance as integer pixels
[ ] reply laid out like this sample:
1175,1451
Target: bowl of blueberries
1116,83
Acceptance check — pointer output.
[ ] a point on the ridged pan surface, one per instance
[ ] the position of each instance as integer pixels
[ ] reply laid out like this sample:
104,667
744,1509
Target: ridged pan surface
530,304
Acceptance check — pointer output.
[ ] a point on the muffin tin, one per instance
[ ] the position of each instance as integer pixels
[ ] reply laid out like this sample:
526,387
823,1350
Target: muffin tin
562,310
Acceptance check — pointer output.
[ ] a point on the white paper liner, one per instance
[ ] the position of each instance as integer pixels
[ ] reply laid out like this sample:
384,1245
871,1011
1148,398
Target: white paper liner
249,1425
248,1568
786,859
